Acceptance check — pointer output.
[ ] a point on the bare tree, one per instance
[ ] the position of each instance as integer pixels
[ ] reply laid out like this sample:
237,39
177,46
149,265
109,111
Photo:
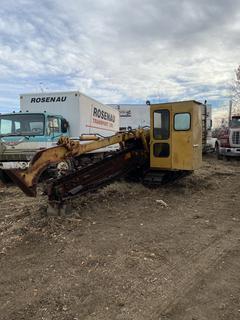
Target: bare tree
236,92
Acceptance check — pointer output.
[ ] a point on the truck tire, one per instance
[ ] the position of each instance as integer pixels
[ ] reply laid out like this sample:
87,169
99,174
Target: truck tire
1,177
64,167
4,178
219,156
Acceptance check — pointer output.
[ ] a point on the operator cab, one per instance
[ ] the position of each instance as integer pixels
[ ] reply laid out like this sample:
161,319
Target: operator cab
176,136
32,125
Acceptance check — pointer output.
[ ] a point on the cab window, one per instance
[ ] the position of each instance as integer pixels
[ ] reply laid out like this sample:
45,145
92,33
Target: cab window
161,150
54,125
182,121
161,124
235,122
6,126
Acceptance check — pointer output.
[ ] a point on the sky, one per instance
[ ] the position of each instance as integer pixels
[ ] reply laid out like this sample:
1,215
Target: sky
126,51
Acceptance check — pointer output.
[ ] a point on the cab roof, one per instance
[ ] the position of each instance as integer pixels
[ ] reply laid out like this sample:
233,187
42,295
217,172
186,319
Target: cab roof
25,113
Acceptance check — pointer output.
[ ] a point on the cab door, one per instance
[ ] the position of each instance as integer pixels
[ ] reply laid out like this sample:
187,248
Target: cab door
160,146
186,135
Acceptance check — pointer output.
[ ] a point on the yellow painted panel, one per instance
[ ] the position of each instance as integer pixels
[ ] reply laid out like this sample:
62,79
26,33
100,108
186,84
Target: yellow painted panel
182,150
185,146
197,138
159,162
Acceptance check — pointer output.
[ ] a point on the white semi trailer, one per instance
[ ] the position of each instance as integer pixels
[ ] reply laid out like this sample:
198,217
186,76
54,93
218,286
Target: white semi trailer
44,117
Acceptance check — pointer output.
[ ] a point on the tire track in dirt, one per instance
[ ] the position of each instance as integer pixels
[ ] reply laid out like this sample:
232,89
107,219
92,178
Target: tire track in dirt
182,278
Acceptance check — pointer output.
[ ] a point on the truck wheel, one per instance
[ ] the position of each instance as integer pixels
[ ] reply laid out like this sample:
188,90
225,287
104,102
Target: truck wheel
219,156
4,178
64,167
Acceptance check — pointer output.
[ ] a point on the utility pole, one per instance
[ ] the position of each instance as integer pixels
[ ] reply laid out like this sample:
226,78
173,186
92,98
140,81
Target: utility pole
230,112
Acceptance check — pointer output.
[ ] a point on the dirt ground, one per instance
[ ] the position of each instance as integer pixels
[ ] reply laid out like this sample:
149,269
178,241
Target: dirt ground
123,254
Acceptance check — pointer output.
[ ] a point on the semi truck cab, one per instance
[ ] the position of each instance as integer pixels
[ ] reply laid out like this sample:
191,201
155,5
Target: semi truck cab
228,140
22,134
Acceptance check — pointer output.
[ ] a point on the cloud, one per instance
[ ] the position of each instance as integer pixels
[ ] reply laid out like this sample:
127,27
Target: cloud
119,51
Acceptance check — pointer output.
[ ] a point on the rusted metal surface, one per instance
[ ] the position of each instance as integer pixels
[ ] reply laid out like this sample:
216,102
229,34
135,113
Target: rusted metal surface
27,179
91,177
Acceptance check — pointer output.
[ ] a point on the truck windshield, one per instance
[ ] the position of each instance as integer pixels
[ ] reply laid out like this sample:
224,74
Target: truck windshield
21,125
235,123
